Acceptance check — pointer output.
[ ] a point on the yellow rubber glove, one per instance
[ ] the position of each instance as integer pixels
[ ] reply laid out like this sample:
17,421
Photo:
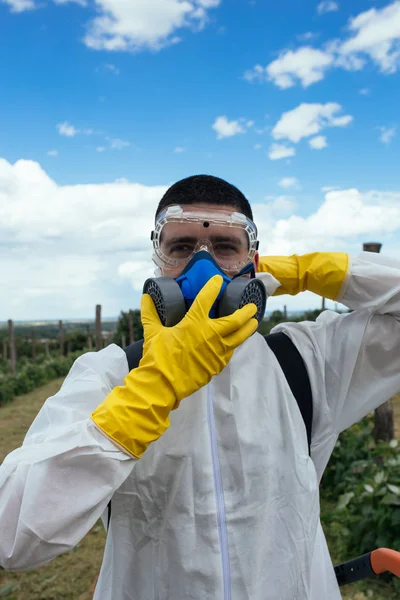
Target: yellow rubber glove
320,272
177,361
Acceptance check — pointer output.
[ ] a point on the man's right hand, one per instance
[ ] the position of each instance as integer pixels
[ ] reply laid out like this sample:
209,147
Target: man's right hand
177,361
198,347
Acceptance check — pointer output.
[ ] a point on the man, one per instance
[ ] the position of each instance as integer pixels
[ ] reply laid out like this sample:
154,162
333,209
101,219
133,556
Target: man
202,448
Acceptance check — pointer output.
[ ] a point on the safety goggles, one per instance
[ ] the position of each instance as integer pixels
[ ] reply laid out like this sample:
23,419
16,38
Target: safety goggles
231,238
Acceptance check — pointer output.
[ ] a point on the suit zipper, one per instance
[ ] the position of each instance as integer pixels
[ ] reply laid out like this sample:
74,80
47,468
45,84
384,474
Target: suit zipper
219,496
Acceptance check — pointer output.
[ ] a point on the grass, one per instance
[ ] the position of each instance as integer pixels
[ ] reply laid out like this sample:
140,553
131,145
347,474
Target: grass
68,577
73,576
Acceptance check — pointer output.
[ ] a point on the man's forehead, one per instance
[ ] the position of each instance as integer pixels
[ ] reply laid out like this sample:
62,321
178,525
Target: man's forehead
210,207
175,230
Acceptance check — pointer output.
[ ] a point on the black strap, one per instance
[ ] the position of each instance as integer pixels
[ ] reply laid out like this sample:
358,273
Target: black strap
291,364
296,375
134,354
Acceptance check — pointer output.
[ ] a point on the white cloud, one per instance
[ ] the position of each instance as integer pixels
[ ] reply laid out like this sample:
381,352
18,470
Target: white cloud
144,24
249,124
100,149
280,205
329,188
308,119
376,34
343,215
387,134
80,2
342,222
179,150
51,271
225,128
257,146
289,183
349,62
278,151
136,25
112,69
117,144
67,130
306,64
257,73
52,153
318,143
19,6
306,37
327,6
364,92
373,34
48,263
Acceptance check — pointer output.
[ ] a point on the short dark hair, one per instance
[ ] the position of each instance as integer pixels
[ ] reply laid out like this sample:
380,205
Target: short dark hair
205,189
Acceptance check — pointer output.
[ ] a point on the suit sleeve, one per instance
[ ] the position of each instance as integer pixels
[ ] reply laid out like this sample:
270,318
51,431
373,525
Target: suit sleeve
353,359
55,487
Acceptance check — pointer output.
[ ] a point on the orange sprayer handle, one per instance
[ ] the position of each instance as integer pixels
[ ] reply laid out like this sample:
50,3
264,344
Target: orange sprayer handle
367,565
384,559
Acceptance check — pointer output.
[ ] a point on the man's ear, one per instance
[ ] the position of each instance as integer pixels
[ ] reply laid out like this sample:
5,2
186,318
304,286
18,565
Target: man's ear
256,261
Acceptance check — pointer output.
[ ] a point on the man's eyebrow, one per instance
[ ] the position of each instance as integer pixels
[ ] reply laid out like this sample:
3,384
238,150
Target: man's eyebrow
226,238
219,239
183,239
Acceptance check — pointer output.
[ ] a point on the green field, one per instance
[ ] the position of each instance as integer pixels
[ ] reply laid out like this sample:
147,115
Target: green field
73,576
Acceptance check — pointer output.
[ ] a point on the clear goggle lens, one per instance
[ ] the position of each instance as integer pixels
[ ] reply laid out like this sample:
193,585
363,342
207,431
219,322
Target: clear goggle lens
231,238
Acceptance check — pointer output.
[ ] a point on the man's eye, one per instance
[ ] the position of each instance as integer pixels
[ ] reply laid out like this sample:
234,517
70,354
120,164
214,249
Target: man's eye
225,248
181,249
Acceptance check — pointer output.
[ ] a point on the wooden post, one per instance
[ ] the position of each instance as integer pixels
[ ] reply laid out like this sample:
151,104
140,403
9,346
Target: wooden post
13,353
285,312
89,338
323,304
4,349
33,345
123,340
61,337
372,247
99,344
69,347
383,418
130,323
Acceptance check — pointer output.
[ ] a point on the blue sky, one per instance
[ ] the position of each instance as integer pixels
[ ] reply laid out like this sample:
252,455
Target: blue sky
105,103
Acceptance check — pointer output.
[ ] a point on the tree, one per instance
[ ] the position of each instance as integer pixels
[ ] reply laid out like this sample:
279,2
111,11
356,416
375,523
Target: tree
77,340
311,315
123,327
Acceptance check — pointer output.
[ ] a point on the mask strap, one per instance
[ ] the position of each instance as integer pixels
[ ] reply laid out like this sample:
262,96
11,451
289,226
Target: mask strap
248,269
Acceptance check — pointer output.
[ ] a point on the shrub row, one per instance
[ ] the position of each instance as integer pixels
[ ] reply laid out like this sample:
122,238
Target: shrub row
360,494
32,375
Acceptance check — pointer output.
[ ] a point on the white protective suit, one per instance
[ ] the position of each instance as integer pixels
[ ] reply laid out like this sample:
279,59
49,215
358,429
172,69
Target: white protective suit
225,505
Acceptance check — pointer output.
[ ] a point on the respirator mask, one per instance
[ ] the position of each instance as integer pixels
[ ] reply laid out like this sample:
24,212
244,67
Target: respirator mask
191,246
